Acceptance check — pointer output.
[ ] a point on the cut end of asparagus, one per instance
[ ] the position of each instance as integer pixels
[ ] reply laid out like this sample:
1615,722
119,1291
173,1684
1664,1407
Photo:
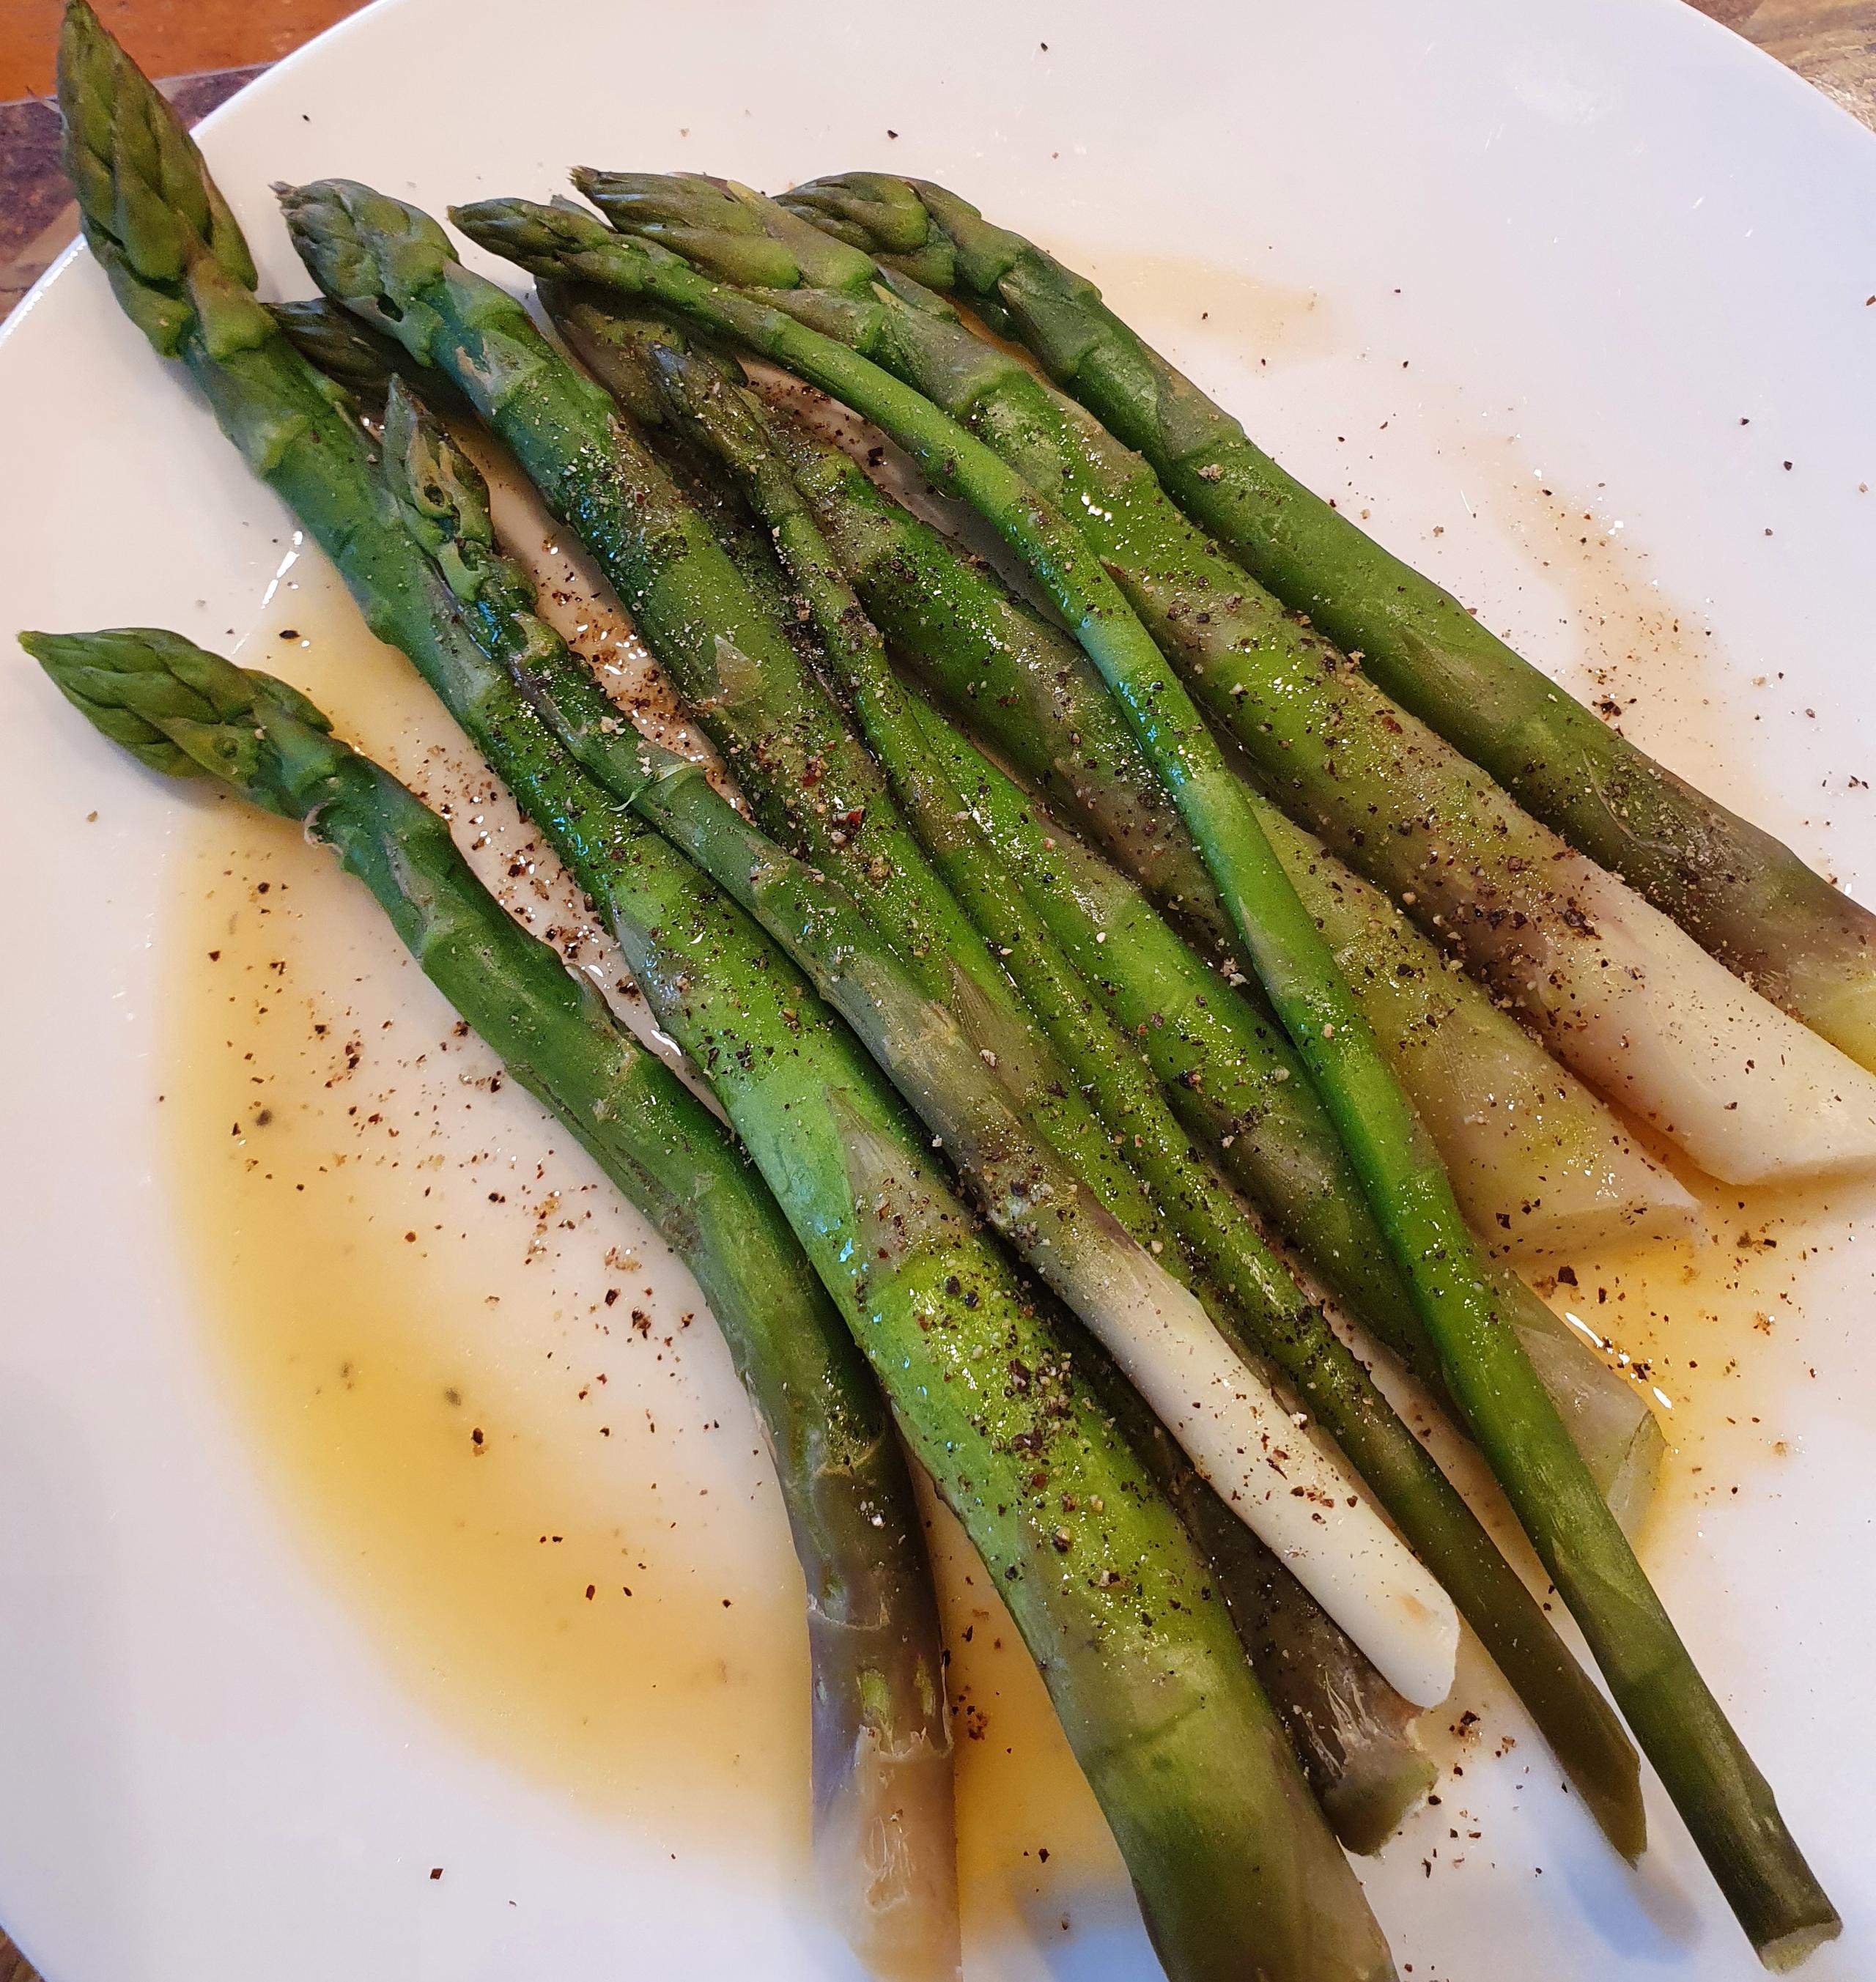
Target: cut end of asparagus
890,1893
1624,1205
1629,1485
1753,1096
1606,1416
1379,1787
1785,1952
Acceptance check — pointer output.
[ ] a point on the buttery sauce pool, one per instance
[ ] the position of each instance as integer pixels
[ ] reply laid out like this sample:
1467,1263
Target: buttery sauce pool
489,1405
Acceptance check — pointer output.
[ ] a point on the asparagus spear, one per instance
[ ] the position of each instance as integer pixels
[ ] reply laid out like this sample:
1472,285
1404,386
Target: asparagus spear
1726,1802
1621,994
1737,891
881,1746
1233,1081
1230,1858
1236,1431
1241,1284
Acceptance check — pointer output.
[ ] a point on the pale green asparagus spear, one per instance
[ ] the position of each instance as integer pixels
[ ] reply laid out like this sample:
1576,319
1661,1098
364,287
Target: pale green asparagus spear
881,1747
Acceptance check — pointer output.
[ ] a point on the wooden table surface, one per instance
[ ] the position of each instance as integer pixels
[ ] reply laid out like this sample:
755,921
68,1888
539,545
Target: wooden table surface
211,47
1830,42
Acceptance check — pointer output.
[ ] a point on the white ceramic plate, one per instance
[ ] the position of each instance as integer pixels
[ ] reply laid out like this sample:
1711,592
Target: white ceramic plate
1572,297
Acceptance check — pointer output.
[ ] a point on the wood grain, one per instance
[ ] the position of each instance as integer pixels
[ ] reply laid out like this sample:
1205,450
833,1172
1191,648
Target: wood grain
167,37
1831,43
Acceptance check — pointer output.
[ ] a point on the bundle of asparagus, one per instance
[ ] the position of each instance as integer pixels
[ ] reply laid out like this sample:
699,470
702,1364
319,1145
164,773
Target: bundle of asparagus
1225,1847
1736,890
1231,1078
1618,991
1229,1075
903,981
1673,1713
1243,1288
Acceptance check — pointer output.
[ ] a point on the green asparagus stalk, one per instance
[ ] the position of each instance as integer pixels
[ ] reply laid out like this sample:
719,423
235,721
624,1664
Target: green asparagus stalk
1620,993
1351,1731
881,1747
1262,1303
1236,1431
1725,1800
1741,893
814,787
1231,1860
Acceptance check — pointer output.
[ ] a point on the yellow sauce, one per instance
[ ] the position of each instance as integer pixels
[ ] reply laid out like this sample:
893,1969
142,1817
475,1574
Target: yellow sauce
362,1361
